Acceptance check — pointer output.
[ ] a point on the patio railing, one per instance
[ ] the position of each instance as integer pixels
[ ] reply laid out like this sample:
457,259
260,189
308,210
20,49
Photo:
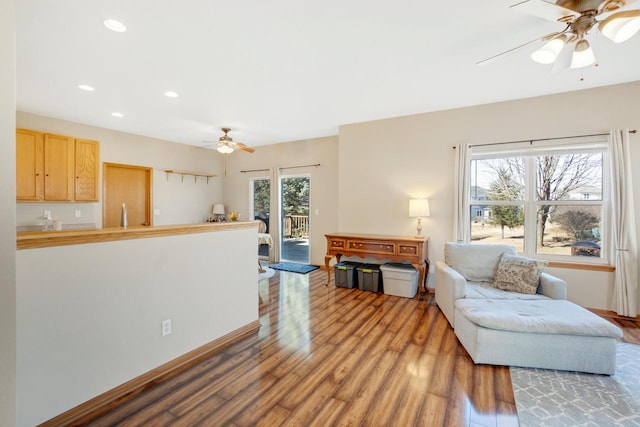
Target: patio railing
296,226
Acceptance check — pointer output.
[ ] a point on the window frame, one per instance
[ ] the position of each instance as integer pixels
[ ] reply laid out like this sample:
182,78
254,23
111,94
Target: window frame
529,153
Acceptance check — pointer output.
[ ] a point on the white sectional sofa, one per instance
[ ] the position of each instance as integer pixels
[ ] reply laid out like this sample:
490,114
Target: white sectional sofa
535,328
469,270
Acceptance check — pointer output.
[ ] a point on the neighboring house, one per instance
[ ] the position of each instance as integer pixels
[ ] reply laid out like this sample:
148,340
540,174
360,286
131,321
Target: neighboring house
479,213
586,193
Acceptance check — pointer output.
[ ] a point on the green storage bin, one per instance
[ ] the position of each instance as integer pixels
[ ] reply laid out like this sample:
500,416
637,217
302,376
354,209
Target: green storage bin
345,274
369,278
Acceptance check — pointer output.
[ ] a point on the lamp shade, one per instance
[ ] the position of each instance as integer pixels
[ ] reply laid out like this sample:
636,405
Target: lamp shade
225,149
419,208
548,53
582,55
218,209
621,26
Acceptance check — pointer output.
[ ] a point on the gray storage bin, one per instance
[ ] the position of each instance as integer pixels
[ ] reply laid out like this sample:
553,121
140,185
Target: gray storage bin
369,278
400,279
345,274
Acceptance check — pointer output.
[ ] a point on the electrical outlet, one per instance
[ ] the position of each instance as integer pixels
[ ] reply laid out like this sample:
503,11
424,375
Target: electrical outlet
166,327
78,213
156,212
46,214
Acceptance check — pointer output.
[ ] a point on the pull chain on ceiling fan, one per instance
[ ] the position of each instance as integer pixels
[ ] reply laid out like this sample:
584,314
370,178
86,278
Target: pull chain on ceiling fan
579,16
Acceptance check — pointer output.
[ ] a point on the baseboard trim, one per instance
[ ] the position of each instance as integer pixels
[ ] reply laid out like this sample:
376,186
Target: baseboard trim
117,396
612,314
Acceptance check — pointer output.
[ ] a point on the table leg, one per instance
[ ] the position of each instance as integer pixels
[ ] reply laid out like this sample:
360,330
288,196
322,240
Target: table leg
327,260
421,278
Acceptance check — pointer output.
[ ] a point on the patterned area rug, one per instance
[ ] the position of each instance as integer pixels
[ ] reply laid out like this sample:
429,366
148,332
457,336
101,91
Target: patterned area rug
294,268
558,398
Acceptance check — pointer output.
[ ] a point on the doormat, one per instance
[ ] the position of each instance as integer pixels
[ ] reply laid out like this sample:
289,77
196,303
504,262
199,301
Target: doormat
294,268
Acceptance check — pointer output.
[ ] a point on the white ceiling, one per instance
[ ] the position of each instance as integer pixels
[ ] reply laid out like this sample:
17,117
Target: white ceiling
283,70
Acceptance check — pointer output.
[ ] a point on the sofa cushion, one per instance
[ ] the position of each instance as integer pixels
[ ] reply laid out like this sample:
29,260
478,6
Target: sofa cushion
519,274
475,290
477,263
536,316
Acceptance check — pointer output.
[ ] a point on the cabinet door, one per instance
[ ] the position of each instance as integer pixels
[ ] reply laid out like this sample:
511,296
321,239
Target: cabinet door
58,167
29,165
86,170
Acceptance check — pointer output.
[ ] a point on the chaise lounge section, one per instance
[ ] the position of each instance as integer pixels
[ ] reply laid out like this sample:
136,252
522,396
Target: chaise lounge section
535,328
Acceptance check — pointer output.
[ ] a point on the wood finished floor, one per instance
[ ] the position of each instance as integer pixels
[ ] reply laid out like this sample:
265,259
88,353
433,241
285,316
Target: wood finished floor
334,356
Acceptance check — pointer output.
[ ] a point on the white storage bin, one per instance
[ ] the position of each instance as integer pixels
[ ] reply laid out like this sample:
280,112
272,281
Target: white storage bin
400,280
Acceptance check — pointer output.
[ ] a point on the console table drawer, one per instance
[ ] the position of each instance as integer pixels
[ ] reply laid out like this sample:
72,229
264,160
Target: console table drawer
372,247
337,244
409,250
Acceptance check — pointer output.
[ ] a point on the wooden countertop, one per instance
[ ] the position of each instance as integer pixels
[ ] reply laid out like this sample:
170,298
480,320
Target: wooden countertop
45,239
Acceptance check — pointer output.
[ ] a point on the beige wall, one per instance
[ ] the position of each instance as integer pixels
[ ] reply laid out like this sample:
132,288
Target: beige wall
178,201
384,163
8,215
324,183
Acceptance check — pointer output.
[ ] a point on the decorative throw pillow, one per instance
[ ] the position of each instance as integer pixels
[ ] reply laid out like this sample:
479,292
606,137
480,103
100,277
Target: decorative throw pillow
519,274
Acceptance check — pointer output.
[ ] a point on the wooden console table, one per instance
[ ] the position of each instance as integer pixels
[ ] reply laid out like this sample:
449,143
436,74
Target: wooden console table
394,248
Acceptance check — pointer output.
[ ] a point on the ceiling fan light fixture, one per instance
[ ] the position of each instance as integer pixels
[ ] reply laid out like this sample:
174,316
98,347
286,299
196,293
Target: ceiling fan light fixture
548,53
582,55
225,149
621,26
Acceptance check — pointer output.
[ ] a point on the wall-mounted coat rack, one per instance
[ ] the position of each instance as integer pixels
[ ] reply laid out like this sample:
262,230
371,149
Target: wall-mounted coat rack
194,174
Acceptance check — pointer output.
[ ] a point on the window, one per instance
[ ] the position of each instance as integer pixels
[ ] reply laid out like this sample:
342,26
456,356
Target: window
549,201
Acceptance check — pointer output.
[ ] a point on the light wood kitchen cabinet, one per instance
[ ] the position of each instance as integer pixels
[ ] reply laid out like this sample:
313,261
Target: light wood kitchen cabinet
58,167
53,167
87,163
29,165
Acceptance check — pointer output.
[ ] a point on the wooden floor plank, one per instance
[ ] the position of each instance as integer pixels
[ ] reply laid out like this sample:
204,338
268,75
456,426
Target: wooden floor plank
336,356
390,396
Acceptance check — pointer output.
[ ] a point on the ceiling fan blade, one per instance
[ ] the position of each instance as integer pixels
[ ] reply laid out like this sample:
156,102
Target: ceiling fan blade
546,10
241,146
513,49
609,7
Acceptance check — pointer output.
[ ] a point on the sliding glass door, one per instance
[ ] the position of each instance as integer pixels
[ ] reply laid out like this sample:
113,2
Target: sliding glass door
261,207
294,218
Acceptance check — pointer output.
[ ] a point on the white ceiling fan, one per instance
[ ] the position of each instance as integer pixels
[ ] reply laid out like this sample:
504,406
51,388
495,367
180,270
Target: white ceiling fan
226,144
579,17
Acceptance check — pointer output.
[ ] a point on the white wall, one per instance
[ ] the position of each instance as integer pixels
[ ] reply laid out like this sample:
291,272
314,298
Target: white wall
323,190
179,201
8,215
384,163
89,316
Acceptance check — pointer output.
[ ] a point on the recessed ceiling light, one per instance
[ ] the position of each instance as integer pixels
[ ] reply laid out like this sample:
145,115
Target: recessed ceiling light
86,87
116,114
171,94
114,25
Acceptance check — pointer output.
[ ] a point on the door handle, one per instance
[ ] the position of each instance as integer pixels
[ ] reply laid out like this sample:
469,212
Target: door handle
145,223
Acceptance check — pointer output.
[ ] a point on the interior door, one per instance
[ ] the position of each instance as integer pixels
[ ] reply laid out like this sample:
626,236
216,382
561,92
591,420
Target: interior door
130,185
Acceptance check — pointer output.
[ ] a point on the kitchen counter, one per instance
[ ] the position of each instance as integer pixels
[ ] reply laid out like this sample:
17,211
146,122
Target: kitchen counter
44,239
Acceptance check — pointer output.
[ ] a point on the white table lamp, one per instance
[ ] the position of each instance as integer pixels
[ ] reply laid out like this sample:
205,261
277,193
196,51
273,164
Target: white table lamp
419,208
218,211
